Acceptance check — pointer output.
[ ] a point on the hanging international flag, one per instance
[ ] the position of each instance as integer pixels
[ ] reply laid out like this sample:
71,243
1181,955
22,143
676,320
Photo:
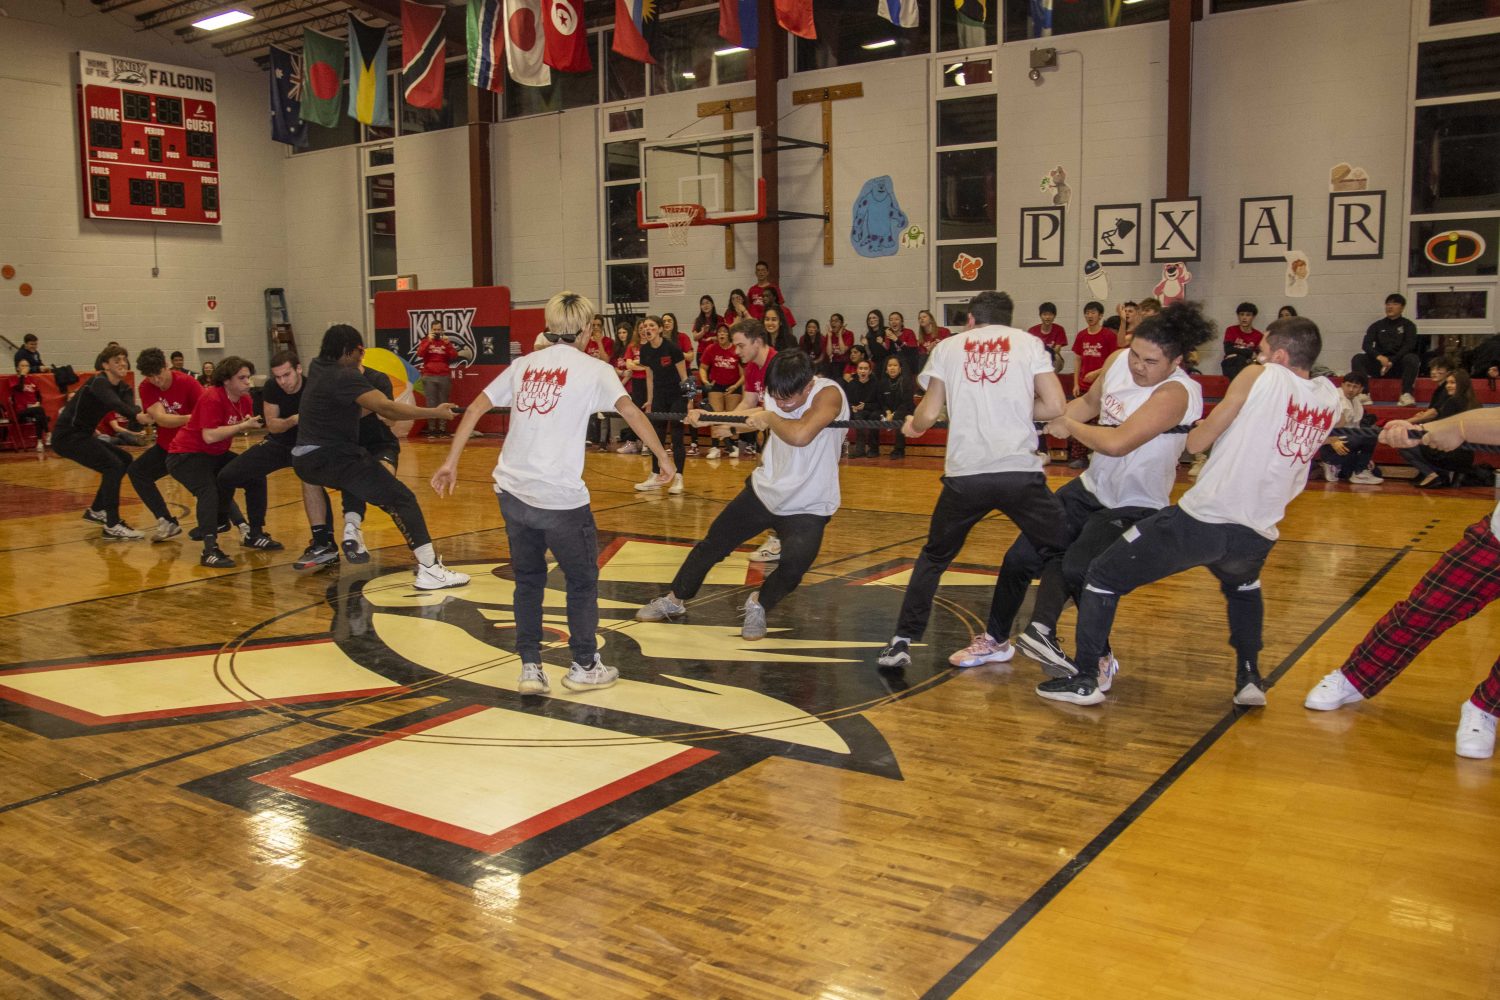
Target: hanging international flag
1041,18
524,43
486,44
422,52
323,69
796,16
739,24
369,91
902,12
635,29
286,98
972,15
567,45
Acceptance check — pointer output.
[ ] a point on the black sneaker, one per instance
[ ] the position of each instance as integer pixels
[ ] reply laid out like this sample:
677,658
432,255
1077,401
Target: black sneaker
197,533
316,555
1082,689
261,540
1043,648
355,552
1249,687
216,559
896,654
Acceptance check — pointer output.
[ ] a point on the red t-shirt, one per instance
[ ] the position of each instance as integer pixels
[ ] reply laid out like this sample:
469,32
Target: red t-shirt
1058,337
1093,349
214,409
1235,337
178,398
604,350
756,290
633,353
840,345
755,375
685,343
24,394
722,363
926,343
104,425
437,356
907,337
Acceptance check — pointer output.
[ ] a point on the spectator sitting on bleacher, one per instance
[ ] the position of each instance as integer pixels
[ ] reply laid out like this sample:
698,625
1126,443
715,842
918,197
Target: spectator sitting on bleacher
1441,469
1242,342
1441,368
113,430
1348,459
1390,348
860,390
26,398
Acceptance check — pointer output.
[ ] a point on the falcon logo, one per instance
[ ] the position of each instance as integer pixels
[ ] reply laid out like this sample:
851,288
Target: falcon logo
458,324
1305,431
540,390
986,360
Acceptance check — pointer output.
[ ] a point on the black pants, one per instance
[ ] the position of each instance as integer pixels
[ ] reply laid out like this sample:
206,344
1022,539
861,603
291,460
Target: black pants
1235,362
1407,366
350,468
37,416
570,536
1021,496
745,517
147,469
201,474
1357,459
673,403
1165,544
390,455
249,472
110,461
637,389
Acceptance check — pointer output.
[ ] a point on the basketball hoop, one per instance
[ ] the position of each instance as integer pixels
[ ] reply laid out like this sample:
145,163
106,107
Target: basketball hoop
679,218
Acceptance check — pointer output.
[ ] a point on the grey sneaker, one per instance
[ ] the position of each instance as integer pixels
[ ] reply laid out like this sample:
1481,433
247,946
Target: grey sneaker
97,516
581,678
755,620
533,680
664,608
121,530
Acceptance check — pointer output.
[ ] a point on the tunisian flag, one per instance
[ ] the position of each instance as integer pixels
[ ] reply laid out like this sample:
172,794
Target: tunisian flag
796,16
567,43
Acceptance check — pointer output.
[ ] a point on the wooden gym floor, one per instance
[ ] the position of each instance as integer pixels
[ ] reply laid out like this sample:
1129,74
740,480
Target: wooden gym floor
263,784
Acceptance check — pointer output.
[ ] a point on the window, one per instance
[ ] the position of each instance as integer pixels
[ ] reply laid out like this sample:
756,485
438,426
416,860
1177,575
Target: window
966,193
626,270
965,129
966,121
1458,66
568,90
1456,158
970,73
850,32
1069,18
1456,11
455,109
690,54
623,78
968,24
1440,305
378,197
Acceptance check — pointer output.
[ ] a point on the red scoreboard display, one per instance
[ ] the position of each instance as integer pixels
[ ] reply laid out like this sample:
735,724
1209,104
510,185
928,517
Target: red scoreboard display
150,140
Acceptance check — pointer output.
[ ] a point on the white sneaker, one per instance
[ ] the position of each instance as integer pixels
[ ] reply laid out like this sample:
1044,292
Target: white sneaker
438,577
1407,400
97,516
1333,691
734,451
661,609
628,448
533,680
1330,472
769,552
676,486
1476,732
984,649
121,530
1366,478
649,483
581,678
166,528
1108,667
713,452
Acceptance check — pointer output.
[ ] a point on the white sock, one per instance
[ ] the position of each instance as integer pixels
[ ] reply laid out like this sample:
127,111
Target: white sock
352,518
425,555
1041,628
900,638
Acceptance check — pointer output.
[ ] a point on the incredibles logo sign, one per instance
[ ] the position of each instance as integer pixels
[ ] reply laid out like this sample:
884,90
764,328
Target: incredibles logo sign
1455,248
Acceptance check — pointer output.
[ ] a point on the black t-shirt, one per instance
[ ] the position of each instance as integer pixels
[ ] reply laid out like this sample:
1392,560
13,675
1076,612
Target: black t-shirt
286,404
93,402
374,432
330,414
662,362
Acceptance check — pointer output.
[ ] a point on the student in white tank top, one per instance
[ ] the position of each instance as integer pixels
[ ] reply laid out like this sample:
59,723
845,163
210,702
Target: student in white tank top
795,490
1142,394
1271,423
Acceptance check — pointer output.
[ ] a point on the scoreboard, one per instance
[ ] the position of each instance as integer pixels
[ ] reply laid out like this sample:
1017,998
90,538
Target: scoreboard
150,140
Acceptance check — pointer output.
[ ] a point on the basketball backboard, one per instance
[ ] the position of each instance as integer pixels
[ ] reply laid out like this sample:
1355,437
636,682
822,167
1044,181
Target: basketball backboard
720,171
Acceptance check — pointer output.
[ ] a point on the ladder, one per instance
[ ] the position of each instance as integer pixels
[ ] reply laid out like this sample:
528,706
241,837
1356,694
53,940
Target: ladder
279,322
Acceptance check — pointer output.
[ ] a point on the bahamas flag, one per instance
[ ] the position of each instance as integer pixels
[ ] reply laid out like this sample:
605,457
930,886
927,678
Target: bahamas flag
369,88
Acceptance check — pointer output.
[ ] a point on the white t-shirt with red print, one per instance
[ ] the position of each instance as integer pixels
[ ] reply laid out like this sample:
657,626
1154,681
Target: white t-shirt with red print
551,394
989,375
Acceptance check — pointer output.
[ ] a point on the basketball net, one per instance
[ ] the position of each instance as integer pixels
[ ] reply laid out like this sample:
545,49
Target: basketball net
679,219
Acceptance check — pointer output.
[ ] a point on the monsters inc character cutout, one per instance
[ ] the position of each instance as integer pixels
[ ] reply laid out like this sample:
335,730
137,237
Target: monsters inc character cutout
878,219
1173,284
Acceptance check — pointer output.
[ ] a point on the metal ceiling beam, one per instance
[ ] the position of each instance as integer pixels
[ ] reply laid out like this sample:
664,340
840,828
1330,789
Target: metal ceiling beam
109,6
173,12
287,33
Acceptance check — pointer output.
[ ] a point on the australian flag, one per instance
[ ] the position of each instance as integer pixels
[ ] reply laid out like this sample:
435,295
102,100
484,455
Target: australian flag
286,98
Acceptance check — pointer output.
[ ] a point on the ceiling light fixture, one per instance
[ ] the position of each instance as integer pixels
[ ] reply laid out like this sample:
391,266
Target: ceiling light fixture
224,20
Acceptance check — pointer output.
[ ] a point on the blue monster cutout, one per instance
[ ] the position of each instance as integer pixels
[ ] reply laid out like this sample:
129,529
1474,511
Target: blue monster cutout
878,220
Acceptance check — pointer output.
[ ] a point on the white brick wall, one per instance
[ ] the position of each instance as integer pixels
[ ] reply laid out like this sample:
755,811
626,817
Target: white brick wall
71,260
324,229
432,208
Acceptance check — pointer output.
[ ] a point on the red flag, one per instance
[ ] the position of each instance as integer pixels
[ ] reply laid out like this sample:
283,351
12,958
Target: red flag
567,43
632,20
422,49
796,16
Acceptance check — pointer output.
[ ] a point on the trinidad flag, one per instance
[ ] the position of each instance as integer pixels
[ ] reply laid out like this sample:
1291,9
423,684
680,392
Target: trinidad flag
738,23
422,51
635,29
487,44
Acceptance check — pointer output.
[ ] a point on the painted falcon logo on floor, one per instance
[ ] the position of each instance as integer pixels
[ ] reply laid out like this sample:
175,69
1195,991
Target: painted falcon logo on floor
463,777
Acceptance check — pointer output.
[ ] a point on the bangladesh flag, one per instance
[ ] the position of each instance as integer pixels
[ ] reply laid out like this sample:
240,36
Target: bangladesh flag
323,64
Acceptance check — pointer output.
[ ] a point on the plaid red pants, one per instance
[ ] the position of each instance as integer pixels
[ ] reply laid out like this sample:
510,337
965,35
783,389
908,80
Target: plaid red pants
1458,587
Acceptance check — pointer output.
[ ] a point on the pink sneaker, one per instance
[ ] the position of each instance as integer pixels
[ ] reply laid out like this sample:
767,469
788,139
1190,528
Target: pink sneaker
984,649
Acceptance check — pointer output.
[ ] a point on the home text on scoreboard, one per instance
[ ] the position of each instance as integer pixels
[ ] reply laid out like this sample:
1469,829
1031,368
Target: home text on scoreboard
150,140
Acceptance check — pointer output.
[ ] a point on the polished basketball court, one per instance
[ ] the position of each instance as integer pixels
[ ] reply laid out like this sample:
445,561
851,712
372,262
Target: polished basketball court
257,783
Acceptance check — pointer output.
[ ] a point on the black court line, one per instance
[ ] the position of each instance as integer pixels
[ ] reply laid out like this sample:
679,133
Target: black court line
1002,935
